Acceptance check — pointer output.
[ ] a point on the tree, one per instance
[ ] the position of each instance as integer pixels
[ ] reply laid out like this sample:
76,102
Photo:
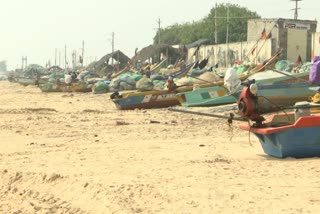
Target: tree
205,29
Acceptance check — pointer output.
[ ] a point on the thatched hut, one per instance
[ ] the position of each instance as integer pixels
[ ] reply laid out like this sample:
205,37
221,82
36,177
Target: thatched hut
104,64
154,53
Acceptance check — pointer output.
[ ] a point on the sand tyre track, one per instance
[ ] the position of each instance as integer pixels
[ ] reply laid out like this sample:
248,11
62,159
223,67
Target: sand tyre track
29,200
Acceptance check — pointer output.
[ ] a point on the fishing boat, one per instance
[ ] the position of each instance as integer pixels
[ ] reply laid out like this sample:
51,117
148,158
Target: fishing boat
136,99
148,99
219,95
73,87
25,81
210,94
255,100
155,69
184,70
285,134
81,87
125,69
295,134
132,100
282,135
144,100
52,87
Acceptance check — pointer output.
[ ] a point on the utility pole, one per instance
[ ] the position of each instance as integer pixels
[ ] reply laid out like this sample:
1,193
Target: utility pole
227,38
82,59
296,9
112,43
65,57
159,30
74,59
55,56
59,58
24,63
215,26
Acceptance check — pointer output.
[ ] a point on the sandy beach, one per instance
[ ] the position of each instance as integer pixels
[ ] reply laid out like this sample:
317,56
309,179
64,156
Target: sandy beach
76,153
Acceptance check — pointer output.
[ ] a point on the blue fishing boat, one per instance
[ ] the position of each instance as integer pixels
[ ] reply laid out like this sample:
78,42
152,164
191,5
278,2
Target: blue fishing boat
150,98
294,134
217,94
286,135
261,99
144,99
207,96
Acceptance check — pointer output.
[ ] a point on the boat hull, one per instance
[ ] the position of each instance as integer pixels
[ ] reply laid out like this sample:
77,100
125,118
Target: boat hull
141,100
215,95
212,96
150,99
53,87
274,97
292,143
29,81
286,136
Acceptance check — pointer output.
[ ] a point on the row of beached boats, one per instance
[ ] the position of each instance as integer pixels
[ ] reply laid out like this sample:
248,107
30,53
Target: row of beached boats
217,93
84,81
258,91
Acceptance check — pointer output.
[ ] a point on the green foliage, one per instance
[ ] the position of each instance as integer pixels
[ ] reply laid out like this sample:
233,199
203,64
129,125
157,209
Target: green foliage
205,29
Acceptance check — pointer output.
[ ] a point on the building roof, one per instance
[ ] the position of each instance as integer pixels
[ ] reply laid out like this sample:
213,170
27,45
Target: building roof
283,19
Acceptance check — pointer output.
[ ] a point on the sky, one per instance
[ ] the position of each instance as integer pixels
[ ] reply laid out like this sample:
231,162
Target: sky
38,29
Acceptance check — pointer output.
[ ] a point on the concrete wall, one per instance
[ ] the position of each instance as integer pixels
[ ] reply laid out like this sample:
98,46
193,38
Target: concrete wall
281,29
256,26
315,44
237,52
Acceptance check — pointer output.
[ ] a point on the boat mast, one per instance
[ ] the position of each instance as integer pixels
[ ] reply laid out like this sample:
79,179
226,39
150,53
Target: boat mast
65,57
159,28
55,56
59,58
112,44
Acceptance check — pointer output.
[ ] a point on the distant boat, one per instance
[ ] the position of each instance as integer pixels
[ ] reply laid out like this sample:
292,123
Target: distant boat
25,81
73,87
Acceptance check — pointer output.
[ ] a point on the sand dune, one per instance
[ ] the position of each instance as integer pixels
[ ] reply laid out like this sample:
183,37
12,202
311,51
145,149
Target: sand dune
76,153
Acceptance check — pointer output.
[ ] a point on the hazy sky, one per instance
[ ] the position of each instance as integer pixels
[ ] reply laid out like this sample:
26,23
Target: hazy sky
35,28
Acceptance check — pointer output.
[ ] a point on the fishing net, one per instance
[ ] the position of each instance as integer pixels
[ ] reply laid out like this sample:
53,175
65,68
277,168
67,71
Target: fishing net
100,87
123,81
283,65
144,84
158,77
159,84
242,68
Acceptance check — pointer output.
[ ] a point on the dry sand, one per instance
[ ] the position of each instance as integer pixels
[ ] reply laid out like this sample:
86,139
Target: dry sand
76,153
